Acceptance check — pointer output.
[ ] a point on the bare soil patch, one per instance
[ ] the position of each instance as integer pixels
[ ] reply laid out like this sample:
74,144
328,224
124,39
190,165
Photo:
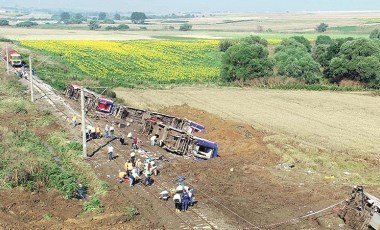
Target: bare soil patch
338,121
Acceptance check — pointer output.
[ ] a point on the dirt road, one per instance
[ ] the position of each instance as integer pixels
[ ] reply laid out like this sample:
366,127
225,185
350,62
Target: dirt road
339,121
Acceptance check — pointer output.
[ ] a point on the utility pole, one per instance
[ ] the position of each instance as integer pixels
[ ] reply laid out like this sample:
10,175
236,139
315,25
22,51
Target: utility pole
31,80
83,123
6,53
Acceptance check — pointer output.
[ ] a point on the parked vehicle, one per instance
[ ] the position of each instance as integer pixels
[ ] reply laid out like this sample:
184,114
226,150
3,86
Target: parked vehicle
14,58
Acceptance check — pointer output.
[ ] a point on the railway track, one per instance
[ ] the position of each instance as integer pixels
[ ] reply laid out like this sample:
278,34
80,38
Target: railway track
193,219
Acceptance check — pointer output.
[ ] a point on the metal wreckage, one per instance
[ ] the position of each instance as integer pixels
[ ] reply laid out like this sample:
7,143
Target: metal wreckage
174,134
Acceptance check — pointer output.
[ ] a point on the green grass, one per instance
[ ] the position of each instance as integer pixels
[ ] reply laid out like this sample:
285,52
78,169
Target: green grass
25,159
372,21
93,205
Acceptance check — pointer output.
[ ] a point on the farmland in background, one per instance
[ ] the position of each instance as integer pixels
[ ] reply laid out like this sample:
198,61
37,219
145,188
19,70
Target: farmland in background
135,62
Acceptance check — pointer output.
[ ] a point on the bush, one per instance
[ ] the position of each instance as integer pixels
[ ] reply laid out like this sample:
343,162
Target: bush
358,60
374,34
130,212
297,63
93,205
243,62
94,24
108,21
255,40
303,41
323,39
122,27
185,27
26,24
4,22
225,44
110,93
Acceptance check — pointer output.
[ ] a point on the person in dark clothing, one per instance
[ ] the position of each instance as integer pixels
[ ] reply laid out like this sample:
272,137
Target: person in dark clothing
185,201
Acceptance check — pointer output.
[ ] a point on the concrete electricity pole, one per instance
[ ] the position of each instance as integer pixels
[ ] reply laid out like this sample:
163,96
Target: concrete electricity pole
6,53
83,123
31,80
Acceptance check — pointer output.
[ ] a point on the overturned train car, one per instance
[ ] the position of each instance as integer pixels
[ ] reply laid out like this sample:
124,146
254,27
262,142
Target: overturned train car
173,134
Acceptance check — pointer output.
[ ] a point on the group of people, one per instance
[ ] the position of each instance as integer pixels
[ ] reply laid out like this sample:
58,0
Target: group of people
135,168
183,198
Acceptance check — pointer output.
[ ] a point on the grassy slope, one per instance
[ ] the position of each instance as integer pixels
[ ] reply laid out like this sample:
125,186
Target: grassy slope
25,158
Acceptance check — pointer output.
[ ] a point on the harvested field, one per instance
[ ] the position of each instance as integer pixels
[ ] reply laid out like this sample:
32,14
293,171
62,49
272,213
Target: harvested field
345,122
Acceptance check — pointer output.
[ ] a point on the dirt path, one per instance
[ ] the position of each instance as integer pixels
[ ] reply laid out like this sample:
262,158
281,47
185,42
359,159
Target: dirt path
334,120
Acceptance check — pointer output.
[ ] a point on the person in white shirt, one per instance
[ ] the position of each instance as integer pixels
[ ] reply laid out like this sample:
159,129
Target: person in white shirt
153,140
177,202
110,152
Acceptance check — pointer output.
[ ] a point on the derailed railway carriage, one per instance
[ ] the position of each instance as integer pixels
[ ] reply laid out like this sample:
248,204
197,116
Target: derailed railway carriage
174,134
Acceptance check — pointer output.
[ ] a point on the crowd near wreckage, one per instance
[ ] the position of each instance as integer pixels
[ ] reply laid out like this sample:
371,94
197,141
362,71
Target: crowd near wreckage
174,134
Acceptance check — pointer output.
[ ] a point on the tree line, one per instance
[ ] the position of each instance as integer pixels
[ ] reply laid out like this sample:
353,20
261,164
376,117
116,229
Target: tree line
328,60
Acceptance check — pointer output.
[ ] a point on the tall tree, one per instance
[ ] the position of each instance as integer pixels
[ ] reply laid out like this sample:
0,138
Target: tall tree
138,17
117,16
242,62
102,16
94,24
357,60
65,16
4,22
322,27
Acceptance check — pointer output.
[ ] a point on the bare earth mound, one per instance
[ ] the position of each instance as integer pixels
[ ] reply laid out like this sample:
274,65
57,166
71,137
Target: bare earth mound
346,122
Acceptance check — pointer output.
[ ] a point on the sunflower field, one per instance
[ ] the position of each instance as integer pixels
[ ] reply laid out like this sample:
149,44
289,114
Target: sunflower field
137,62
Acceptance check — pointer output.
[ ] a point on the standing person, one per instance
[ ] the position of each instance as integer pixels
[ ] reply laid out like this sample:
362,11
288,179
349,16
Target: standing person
97,131
74,121
133,155
93,132
112,131
138,166
107,131
191,197
129,167
122,139
185,201
134,143
129,135
177,202
110,152
147,178
153,140
131,180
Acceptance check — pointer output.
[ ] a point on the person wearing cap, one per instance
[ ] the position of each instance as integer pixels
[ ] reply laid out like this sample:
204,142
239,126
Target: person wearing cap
110,152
